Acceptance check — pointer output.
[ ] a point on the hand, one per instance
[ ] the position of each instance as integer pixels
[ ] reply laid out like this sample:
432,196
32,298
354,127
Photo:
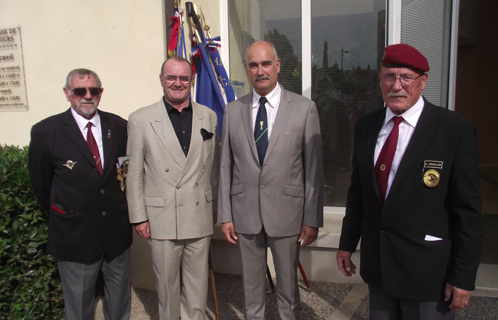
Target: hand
344,263
459,297
229,232
215,217
143,229
308,235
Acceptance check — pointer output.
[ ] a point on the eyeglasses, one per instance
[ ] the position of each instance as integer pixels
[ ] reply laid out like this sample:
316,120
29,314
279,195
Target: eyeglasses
405,80
172,79
81,92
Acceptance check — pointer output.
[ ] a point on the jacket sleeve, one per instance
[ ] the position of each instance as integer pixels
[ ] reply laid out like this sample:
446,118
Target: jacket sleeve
351,224
465,209
135,177
215,170
313,166
225,177
40,167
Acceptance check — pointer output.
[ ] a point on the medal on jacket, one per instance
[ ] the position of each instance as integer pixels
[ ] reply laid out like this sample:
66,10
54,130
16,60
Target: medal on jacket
122,170
431,174
70,164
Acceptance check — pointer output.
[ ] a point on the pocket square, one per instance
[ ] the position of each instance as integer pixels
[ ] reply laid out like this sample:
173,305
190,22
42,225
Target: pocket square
206,135
432,238
57,208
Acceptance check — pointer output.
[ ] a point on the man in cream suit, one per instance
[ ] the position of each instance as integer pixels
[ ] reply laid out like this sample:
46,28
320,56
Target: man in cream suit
172,186
270,192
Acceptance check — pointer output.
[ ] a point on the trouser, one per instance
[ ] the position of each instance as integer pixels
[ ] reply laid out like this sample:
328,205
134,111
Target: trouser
78,285
184,295
385,307
285,251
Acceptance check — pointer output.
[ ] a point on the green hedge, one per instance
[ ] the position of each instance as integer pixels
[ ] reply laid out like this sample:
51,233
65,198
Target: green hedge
29,281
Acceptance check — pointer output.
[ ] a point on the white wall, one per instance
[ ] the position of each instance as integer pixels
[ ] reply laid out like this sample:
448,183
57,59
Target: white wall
123,41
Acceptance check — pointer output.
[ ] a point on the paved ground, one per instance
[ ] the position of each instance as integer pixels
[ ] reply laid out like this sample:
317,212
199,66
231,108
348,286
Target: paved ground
330,301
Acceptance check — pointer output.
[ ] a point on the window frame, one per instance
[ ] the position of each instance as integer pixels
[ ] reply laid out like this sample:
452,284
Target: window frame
393,35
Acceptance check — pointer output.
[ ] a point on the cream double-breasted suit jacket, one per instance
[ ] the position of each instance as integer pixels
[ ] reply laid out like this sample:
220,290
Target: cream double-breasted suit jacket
287,191
176,194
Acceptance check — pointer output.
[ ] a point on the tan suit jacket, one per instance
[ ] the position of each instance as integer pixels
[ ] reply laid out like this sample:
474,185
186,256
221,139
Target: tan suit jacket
287,191
177,194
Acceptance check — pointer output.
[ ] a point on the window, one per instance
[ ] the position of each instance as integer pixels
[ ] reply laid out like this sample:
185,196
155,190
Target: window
347,41
277,21
433,20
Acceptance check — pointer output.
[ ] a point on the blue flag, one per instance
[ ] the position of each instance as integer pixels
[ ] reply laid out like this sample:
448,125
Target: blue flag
212,88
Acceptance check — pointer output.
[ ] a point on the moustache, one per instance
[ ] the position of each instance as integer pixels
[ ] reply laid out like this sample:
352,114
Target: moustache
92,102
398,94
265,77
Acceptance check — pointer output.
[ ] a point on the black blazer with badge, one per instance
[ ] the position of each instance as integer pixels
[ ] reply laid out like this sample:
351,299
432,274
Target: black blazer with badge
395,252
92,217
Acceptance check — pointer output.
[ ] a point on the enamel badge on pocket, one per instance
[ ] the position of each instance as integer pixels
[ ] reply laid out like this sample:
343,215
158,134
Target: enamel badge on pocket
431,174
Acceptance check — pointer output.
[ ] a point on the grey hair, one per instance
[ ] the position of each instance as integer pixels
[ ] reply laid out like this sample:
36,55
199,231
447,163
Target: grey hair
178,59
80,73
271,45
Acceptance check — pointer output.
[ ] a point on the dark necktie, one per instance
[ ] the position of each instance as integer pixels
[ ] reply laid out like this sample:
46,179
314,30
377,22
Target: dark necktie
385,159
261,130
92,144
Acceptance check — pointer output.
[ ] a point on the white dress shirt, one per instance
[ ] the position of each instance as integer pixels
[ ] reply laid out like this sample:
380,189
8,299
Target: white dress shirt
406,128
96,130
273,102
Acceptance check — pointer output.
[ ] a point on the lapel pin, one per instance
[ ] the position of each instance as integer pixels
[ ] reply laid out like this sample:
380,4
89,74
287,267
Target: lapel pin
109,134
69,164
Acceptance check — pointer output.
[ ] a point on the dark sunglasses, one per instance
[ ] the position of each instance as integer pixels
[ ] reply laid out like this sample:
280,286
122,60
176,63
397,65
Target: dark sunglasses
81,92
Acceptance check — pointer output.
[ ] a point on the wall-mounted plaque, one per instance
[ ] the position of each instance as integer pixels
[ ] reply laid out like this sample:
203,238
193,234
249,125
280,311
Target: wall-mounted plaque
12,85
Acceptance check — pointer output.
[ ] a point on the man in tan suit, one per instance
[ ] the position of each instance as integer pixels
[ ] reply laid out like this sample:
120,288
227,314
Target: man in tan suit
270,192
171,189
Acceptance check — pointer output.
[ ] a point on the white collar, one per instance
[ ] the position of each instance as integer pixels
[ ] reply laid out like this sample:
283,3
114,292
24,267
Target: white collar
82,122
273,97
411,115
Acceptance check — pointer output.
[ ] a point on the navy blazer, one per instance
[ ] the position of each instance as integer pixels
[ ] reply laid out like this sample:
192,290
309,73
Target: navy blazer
92,218
394,251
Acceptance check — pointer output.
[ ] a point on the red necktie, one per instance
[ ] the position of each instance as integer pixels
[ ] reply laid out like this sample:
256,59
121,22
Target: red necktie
92,144
385,159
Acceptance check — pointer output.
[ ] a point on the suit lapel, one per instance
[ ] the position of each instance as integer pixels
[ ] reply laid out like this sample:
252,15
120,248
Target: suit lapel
284,110
164,130
425,130
107,144
196,138
74,134
246,113
372,134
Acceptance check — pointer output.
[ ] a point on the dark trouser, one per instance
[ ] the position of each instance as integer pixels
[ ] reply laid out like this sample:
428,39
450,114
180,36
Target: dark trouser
385,307
78,284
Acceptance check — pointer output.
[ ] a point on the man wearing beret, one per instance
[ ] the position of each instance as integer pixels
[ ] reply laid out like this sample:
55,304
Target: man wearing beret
414,199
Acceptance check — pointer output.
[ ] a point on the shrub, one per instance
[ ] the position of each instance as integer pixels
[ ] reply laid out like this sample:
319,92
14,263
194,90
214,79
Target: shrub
29,281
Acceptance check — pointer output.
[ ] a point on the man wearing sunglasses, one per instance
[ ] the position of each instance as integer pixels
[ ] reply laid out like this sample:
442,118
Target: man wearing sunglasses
414,199
72,164
172,185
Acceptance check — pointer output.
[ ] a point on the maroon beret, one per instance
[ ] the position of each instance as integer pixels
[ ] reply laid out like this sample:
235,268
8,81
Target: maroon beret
404,56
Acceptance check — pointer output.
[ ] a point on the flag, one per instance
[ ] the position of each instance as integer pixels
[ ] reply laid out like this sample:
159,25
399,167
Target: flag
176,45
212,85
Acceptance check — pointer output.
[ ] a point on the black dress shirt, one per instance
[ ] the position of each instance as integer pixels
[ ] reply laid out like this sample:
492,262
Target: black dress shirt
182,124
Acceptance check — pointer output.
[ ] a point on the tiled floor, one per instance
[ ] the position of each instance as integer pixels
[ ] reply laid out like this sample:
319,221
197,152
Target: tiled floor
327,301
334,301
